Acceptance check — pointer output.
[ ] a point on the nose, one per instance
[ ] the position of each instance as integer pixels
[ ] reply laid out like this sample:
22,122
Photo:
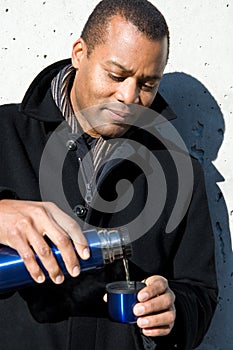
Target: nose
128,91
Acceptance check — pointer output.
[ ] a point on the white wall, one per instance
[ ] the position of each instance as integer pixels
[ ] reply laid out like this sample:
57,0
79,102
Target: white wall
198,85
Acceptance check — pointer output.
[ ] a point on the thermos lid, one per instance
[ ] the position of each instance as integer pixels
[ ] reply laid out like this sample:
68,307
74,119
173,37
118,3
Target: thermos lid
115,244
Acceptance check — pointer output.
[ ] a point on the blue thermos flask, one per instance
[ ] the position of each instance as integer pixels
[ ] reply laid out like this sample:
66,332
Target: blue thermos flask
105,247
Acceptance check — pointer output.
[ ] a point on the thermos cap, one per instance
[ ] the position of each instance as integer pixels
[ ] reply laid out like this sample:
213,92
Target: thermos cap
124,287
122,297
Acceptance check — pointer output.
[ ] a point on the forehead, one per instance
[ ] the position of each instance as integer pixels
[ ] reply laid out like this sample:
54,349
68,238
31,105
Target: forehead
125,44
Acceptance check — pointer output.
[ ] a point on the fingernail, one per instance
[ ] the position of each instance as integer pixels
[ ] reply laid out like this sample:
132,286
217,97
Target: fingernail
76,271
139,310
59,279
147,332
143,296
143,322
40,279
86,253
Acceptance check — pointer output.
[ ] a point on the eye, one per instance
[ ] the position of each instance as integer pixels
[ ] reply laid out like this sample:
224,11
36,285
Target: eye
116,78
148,87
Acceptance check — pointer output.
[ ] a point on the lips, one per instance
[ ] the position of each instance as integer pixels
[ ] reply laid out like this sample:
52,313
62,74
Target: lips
119,115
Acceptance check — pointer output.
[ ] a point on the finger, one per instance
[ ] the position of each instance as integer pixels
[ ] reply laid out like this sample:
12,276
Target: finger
63,243
157,332
31,238
71,228
26,253
18,240
66,248
156,304
161,324
47,259
156,285
105,298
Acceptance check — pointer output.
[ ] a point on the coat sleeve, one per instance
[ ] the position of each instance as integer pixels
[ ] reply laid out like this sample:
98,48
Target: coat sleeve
7,193
194,278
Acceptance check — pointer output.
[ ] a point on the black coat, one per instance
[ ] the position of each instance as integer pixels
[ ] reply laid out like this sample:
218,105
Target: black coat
73,315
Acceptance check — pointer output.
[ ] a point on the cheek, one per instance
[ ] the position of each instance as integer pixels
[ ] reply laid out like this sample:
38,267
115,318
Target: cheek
147,99
101,84
102,89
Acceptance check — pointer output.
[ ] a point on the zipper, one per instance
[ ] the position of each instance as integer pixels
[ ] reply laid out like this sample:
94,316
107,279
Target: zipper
89,195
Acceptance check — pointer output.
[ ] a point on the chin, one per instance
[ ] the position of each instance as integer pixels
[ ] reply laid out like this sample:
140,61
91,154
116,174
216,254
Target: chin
113,130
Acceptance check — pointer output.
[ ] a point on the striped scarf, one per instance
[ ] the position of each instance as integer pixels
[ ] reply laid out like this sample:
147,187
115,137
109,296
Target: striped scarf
60,87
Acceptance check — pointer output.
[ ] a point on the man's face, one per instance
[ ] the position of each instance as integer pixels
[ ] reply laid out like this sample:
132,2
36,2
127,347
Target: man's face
125,70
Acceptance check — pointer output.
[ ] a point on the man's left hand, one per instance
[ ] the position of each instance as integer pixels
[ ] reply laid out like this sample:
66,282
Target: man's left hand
156,310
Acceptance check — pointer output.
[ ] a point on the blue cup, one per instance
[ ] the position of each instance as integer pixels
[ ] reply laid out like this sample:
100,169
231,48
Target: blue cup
122,296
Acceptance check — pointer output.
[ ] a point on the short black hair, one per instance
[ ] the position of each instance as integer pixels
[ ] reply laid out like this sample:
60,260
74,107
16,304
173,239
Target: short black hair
141,13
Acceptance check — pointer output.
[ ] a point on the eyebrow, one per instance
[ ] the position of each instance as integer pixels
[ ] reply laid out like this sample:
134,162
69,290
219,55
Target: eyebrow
129,71
115,63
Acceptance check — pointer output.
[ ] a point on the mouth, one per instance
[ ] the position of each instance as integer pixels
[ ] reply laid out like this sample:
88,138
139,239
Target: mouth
119,115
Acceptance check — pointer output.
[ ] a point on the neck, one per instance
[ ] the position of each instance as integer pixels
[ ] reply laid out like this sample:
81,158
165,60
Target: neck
80,117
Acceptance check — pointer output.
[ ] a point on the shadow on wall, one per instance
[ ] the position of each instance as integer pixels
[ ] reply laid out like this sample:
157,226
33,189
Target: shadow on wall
200,123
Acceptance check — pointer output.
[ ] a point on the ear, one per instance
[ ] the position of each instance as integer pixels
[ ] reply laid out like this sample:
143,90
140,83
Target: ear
79,51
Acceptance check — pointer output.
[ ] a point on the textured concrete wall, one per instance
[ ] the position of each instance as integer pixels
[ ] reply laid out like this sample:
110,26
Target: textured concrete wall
198,85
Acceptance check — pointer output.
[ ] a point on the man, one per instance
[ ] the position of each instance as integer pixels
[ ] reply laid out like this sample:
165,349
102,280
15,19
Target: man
116,65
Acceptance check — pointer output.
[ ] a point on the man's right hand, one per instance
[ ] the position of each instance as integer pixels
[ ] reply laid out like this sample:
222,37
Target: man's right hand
23,225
